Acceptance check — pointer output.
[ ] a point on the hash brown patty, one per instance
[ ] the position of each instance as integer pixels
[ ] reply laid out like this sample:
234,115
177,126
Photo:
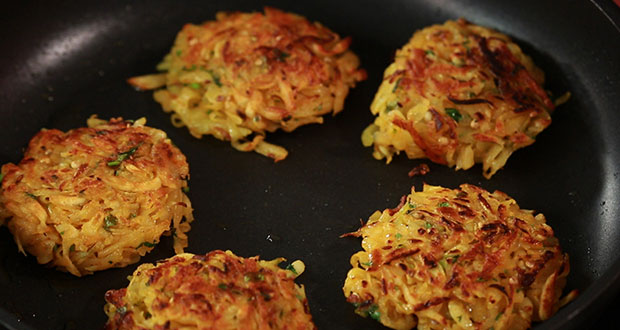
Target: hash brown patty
96,197
459,94
218,290
245,74
457,259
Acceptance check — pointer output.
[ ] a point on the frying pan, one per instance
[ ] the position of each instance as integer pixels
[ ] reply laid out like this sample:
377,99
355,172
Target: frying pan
63,61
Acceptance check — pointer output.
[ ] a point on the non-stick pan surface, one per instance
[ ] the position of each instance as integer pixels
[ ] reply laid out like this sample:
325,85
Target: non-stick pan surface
62,62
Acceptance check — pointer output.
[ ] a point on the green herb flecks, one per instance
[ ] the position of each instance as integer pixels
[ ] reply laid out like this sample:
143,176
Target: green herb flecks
121,310
216,78
223,286
396,85
499,315
72,248
391,106
292,269
454,114
194,85
398,235
179,52
31,195
429,52
428,225
186,189
1,177
373,312
109,221
368,264
444,204
122,156
147,244
443,264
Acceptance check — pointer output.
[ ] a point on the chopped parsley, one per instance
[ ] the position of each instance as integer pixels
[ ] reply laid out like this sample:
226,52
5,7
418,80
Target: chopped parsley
499,315
147,244
186,189
429,52
72,248
444,204
216,78
223,286
443,264
411,205
179,52
31,195
122,310
109,221
122,156
398,235
194,85
428,225
292,269
1,177
373,312
396,85
369,264
454,114
391,106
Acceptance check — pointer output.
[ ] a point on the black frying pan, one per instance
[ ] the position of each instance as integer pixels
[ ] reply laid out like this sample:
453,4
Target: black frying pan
63,61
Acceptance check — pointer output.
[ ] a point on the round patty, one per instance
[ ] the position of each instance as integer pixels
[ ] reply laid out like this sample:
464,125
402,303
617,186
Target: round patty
246,74
457,259
459,94
218,290
97,197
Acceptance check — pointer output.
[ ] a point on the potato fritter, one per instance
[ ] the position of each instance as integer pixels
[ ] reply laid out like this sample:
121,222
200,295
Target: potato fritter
457,259
218,290
246,74
96,197
459,94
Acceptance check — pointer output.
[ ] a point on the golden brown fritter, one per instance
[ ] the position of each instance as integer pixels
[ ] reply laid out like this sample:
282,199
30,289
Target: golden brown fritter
96,197
218,290
457,259
246,74
459,94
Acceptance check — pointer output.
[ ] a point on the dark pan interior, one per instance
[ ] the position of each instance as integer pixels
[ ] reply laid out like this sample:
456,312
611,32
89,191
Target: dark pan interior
63,61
